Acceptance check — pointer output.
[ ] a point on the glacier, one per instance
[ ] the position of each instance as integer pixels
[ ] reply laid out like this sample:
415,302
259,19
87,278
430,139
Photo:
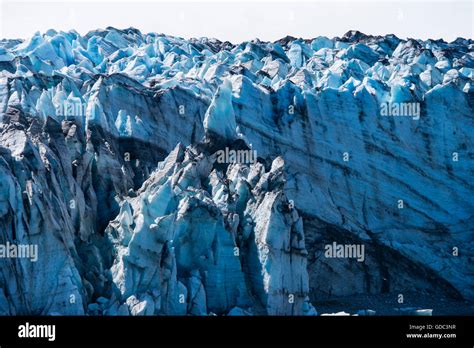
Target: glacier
108,164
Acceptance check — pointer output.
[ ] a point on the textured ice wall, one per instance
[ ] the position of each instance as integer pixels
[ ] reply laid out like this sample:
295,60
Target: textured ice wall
85,120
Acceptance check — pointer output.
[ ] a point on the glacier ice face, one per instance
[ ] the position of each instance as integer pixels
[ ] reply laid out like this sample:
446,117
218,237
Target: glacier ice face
85,120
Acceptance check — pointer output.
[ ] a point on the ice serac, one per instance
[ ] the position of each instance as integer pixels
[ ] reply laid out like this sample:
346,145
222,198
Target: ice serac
198,240
84,121
220,117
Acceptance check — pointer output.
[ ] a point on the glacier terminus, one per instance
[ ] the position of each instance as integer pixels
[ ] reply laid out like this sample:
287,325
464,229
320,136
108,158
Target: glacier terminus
158,175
